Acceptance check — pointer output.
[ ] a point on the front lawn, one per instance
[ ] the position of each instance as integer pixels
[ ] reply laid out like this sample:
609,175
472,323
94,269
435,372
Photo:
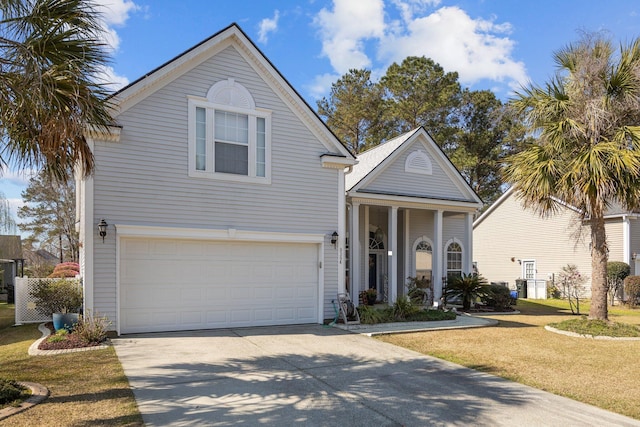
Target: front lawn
601,373
86,388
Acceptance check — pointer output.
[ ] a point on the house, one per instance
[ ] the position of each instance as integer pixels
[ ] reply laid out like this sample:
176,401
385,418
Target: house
410,214
219,200
11,260
511,242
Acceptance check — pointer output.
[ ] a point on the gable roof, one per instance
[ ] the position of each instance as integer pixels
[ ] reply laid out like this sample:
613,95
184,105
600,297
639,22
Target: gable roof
372,162
10,248
614,211
154,80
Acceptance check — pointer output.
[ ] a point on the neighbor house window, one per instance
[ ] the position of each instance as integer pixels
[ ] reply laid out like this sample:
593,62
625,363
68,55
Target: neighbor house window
229,138
454,259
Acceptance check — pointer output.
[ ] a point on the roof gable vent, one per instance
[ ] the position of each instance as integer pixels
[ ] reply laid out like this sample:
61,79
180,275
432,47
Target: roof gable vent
418,162
229,92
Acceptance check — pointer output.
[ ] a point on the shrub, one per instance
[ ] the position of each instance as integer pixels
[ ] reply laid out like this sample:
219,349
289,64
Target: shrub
497,297
553,291
616,273
632,290
572,286
403,308
57,296
468,287
59,336
370,315
10,391
66,269
92,329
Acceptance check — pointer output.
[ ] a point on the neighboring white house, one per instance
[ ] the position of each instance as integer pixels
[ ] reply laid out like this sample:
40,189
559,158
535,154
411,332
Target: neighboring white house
511,242
225,199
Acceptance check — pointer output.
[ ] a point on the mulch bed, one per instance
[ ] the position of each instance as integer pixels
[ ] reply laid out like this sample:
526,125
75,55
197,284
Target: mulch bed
71,341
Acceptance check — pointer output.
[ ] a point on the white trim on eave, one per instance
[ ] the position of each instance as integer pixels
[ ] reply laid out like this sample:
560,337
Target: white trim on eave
422,137
231,36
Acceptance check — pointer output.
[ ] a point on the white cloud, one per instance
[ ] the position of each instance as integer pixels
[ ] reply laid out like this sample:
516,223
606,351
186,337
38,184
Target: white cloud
109,77
16,177
268,25
320,84
115,13
478,49
344,30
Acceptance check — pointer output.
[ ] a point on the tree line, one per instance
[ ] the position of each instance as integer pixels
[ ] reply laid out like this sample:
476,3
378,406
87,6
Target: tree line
475,129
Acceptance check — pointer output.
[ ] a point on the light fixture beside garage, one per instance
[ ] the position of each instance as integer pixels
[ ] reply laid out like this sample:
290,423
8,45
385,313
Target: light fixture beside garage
102,228
334,238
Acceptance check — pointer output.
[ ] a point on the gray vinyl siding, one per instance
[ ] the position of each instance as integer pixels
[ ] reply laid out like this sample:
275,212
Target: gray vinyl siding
143,179
634,243
510,233
395,180
615,240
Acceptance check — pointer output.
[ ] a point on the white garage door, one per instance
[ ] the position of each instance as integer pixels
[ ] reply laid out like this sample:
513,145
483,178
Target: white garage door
170,285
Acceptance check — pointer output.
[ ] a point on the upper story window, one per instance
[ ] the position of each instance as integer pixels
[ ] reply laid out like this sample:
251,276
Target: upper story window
229,138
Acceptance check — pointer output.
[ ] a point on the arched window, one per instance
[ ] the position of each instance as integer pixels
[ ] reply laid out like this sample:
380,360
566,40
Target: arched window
229,137
424,259
454,259
375,240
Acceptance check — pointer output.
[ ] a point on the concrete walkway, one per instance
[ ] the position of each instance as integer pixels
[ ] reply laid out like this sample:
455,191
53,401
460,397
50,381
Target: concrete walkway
317,376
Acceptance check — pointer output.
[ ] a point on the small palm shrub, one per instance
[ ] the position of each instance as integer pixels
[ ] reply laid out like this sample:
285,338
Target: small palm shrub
468,287
371,316
404,308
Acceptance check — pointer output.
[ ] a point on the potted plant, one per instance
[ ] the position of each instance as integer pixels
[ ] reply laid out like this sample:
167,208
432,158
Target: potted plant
60,299
369,296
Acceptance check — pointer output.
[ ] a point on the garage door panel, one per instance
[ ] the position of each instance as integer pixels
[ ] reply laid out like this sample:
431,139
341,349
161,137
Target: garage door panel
170,284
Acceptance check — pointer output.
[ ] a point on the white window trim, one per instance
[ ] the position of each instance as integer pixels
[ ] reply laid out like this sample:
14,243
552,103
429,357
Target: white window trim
414,250
446,255
210,173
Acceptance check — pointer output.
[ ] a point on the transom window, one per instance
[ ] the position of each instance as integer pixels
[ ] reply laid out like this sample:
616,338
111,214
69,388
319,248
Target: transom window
454,259
229,137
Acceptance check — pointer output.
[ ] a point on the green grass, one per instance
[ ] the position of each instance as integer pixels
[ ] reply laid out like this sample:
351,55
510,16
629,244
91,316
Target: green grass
87,388
520,349
596,328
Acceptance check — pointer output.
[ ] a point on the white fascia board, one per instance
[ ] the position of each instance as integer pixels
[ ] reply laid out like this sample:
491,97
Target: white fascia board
493,206
412,202
230,234
336,162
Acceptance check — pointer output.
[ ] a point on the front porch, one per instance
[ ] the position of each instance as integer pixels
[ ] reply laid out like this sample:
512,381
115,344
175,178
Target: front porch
390,241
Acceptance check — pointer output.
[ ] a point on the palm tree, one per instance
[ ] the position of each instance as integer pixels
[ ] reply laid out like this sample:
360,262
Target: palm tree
51,52
587,152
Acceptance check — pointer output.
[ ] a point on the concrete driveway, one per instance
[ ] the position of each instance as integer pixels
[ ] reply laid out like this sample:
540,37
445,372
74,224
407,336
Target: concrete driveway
316,376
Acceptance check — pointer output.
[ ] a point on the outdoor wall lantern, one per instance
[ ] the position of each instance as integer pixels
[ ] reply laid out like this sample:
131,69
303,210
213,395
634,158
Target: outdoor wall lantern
634,256
102,228
334,238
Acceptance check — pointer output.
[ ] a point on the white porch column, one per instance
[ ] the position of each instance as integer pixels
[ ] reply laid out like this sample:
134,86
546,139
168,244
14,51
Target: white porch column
393,254
365,244
468,228
626,240
438,259
354,247
408,254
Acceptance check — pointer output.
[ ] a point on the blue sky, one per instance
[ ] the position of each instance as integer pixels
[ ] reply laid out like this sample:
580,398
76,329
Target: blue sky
492,44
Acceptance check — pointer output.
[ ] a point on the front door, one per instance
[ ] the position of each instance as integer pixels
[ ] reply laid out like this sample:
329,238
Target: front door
377,273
